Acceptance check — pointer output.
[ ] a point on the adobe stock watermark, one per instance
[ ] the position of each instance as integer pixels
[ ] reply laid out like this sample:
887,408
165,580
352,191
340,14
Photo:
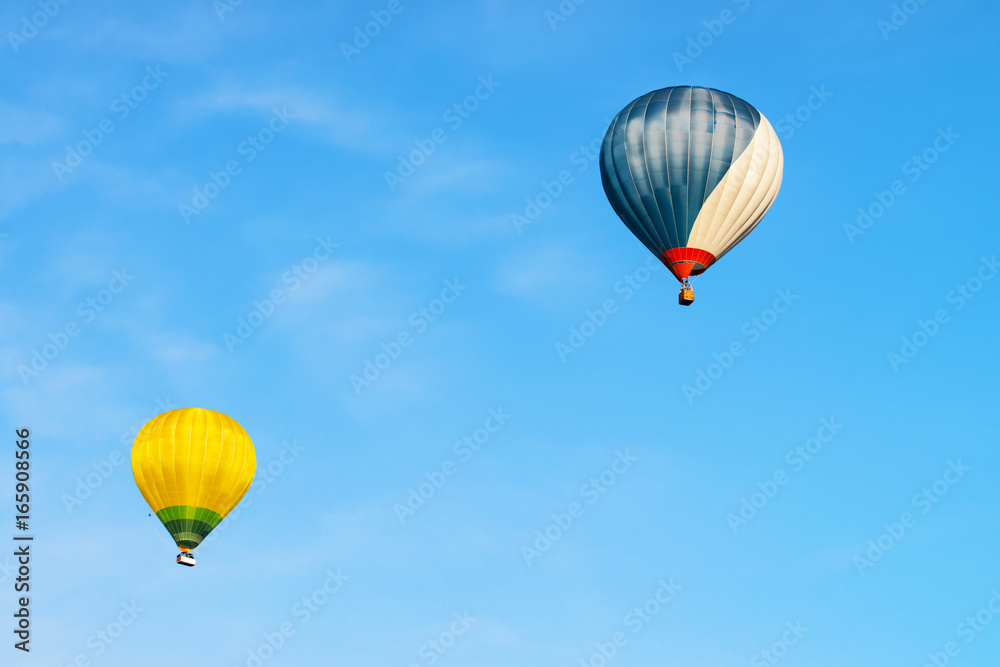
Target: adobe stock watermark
87,311
31,25
591,491
105,637
562,12
753,329
697,44
103,469
122,107
968,631
292,279
248,149
419,320
364,34
8,568
432,650
223,7
772,655
915,168
265,477
960,296
594,320
549,191
796,460
635,620
454,116
898,17
788,124
924,501
463,450
303,611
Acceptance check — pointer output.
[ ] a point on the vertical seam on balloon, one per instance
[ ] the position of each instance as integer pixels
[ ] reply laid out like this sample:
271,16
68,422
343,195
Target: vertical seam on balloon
687,203
619,202
173,461
711,152
201,501
215,498
160,501
710,224
719,235
701,208
250,455
161,481
161,485
187,523
227,426
712,235
150,483
226,500
232,478
612,181
652,193
636,217
666,157
754,218
767,198
705,196
139,464
191,518
241,490
770,193
631,176
663,233
237,492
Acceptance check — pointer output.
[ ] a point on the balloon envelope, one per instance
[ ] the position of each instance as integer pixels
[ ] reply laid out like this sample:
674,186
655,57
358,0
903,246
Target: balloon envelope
690,171
193,466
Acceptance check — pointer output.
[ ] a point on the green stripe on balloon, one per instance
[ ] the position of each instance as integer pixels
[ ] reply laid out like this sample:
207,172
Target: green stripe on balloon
189,525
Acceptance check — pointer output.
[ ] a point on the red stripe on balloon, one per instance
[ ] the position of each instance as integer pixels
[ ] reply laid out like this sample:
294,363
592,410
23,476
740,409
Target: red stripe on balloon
686,262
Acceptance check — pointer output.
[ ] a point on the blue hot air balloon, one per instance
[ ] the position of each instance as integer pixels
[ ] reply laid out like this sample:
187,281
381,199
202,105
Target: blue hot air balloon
690,171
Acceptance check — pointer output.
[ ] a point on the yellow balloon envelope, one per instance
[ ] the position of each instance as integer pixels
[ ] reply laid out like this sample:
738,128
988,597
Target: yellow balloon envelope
193,466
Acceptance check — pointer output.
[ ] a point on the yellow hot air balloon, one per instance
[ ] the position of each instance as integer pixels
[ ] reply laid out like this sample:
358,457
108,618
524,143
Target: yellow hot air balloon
193,466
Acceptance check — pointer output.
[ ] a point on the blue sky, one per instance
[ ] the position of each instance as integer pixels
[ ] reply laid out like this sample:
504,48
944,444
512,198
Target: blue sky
288,136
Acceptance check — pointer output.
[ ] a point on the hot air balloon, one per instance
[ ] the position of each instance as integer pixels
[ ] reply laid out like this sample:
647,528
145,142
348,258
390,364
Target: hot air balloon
193,466
690,171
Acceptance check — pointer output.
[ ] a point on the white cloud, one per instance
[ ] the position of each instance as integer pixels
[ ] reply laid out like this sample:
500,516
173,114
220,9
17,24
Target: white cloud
344,277
173,36
27,127
330,119
176,350
445,172
545,275
66,401
23,182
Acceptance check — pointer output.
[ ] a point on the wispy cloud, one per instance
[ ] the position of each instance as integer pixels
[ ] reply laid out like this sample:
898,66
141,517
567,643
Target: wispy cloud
338,278
545,275
181,36
182,350
68,401
27,127
24,181
331,119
